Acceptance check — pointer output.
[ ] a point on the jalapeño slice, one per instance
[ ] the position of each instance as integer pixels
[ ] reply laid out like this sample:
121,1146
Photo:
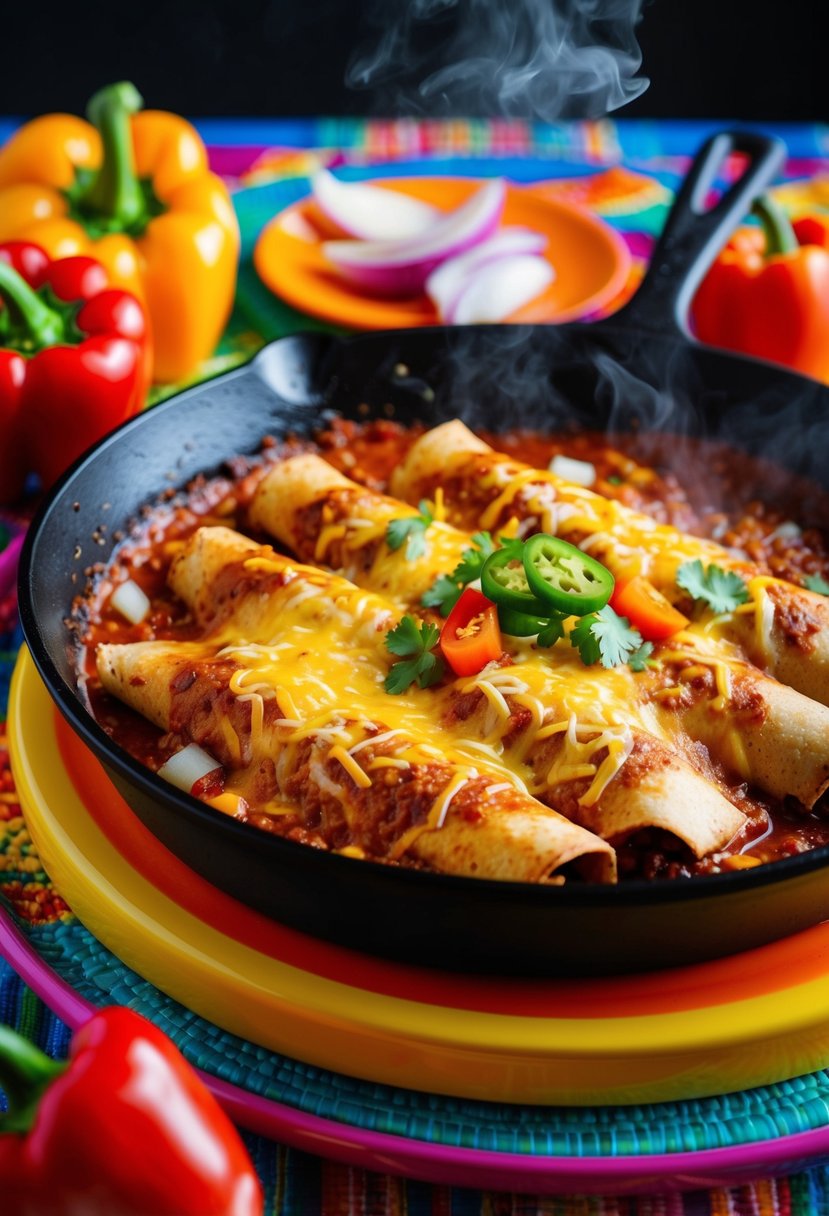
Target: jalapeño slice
504,581
521,624
563,578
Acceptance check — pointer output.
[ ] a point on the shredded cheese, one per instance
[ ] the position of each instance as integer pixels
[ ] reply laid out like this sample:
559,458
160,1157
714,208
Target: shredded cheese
357,774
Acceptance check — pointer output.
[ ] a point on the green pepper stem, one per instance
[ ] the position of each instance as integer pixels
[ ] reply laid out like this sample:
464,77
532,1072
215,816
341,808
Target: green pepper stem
41,324
25,1073
115,192
780,236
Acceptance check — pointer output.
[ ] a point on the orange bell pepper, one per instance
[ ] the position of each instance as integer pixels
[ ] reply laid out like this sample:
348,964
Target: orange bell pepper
132,189
767,294
647,609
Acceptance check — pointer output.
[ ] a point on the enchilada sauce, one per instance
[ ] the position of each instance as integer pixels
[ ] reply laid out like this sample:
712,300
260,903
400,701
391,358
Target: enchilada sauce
700,488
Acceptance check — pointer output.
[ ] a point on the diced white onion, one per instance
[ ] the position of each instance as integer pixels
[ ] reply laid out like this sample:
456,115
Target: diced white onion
582,472
130,601
188,766
786,531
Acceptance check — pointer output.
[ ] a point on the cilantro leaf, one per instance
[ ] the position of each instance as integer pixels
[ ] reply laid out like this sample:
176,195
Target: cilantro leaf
472,560
414,641
582,637
814,582
721,589
443,594
638,659
552,632
412,637
446,590
605,637
425,670
401,676
412,530
513,545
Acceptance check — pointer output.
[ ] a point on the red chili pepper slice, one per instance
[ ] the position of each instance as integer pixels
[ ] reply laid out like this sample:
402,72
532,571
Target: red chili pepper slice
471,637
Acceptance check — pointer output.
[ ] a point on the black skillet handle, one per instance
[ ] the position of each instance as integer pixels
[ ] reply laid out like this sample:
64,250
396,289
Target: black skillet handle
693,234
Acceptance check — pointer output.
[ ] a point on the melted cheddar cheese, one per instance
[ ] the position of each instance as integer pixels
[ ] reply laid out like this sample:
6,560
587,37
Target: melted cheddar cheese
629,543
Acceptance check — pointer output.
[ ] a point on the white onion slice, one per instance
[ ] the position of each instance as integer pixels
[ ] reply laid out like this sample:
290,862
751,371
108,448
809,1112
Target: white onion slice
580,472
498,288
395,269
370,213
188,766
444,285
130,601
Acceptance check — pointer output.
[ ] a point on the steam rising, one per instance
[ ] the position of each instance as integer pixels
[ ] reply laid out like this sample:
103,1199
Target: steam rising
619,383
545,59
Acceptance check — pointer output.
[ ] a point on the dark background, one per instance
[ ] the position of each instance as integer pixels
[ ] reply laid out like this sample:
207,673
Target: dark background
705,58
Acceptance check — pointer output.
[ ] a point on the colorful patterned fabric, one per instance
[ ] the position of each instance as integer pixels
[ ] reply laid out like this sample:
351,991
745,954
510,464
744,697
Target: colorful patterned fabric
624,171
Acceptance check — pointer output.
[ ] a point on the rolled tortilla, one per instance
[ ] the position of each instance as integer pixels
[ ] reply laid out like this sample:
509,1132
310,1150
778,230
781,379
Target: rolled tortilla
358,787
783,630
228,580
322,516
759,729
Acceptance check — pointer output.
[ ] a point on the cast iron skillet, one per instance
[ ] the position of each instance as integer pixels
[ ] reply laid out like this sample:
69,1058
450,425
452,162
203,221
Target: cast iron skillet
637,369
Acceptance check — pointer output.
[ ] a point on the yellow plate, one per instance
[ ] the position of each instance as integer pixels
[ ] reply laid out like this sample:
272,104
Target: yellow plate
755,1019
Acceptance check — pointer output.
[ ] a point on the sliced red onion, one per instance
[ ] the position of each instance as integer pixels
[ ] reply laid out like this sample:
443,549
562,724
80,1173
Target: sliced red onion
129,599
498,288
395,269
188,766
444,285
370,213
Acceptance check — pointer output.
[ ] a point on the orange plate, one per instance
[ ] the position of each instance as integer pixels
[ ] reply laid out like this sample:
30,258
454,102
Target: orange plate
590,259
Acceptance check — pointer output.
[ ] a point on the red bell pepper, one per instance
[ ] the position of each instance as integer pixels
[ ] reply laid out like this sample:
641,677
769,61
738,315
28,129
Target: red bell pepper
124,1128
75,361
767,294
471,636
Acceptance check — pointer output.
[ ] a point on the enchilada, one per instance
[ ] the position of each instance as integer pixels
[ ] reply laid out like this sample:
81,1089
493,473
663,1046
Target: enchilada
325,755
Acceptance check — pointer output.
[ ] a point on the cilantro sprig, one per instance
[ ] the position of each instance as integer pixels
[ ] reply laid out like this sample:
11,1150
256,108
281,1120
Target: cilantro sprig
601,637
607,638
815,582
443,594
411,529
446,590
722,590
414,642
